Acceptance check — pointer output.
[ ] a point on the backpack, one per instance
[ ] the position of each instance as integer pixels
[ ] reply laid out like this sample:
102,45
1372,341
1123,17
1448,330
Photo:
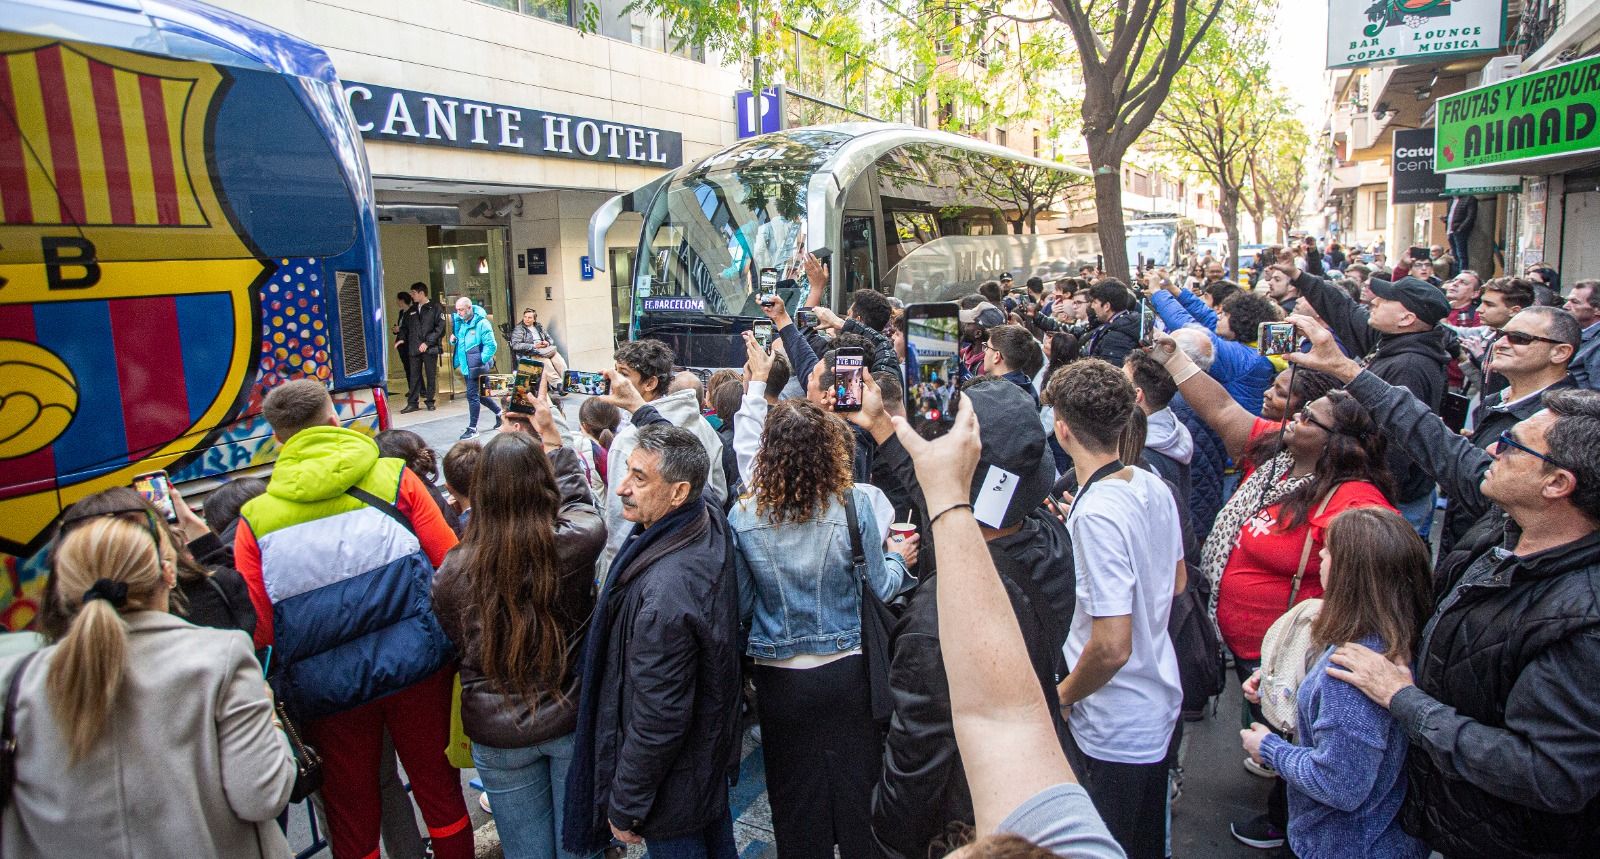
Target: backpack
1286,655
1201,672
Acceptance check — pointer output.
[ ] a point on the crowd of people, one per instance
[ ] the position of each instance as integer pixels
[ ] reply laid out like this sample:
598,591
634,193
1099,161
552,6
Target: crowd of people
974,619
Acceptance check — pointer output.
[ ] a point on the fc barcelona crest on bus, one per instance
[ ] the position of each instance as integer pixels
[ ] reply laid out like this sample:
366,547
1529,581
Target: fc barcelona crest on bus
127,292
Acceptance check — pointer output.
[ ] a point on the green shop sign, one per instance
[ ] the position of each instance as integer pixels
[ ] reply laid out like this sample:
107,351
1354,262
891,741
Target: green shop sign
1537,115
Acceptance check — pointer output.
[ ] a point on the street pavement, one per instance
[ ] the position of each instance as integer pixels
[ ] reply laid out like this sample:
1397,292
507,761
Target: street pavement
1216,788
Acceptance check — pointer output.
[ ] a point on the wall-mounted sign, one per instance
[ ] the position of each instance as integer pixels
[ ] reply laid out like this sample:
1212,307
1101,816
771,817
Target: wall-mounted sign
754,115
536,261
673,304
1478,184
1537,115
425,119
585,268
1412,170
1370,32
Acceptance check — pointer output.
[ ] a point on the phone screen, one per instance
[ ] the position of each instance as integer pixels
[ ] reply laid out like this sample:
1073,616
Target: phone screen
805,317
1147,324
768,286
494,385
1277,338
591,384
525,386
156,488
849,366
763,332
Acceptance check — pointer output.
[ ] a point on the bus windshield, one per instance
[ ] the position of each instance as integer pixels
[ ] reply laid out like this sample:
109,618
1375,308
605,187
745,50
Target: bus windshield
728,225
1151,242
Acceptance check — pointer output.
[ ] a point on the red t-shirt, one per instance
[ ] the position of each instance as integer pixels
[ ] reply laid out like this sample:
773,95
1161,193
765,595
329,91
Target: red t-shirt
1260,572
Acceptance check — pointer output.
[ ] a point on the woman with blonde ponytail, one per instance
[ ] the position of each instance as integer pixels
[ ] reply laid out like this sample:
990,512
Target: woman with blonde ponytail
163,729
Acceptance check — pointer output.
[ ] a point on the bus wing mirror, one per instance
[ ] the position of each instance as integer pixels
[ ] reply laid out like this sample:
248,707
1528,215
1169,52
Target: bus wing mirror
600,222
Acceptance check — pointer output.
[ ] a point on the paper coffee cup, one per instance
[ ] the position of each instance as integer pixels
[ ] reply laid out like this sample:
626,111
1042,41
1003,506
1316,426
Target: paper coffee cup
902,530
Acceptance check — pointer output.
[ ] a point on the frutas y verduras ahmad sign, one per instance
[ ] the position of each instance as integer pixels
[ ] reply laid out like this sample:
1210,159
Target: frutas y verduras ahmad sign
1368,32
1537,115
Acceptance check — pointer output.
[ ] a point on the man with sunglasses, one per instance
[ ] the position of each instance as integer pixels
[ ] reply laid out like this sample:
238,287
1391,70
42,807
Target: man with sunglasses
1498,702
1532,353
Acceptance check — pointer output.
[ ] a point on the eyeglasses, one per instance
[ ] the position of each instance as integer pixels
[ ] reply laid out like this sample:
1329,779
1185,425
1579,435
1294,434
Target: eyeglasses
1505,440
1305,415
1518,338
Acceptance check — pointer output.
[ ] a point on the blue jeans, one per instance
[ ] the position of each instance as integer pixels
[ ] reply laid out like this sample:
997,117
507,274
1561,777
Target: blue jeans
1420,513
713,842
473,375
527,789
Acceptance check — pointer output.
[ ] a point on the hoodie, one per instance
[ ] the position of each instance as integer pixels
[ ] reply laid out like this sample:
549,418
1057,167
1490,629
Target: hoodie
681,409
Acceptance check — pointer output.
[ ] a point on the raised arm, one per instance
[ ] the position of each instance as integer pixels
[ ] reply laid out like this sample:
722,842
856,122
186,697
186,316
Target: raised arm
1008,744
1209,399
1344,315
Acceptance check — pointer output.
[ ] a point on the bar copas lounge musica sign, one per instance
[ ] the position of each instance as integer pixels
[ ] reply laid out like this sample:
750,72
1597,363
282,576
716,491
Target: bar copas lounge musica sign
428,119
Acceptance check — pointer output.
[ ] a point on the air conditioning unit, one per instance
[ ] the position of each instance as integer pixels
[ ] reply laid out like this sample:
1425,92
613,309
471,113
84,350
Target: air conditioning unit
1500,69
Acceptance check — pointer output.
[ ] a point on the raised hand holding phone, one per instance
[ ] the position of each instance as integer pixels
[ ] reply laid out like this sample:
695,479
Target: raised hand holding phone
757,361
623,394
826,318
774,309
944,466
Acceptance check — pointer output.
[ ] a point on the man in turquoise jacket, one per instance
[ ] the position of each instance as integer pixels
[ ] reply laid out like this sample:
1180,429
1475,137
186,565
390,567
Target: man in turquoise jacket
474,341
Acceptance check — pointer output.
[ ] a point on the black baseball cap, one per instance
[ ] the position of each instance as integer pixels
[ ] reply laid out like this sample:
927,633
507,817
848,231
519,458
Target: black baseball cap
1013,441
1419,296
1005,275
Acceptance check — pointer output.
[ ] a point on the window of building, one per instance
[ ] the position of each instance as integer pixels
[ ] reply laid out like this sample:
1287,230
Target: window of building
1380,210
1038,148
1002,137
615,21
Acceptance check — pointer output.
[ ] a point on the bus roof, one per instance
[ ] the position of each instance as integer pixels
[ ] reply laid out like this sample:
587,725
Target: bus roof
181,29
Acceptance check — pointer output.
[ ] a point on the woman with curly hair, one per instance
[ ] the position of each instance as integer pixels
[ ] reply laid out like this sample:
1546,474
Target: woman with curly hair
801,595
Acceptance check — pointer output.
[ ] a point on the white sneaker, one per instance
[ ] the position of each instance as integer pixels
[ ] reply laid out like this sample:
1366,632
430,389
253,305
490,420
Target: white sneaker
1256,769
483,803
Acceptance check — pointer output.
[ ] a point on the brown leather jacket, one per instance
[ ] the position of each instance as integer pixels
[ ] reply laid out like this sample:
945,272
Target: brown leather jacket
490,715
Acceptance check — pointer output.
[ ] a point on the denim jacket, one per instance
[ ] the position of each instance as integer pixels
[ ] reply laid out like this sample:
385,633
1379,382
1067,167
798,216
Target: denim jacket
797,585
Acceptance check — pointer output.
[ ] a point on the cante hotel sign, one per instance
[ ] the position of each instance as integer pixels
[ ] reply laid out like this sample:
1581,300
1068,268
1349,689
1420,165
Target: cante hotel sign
426,119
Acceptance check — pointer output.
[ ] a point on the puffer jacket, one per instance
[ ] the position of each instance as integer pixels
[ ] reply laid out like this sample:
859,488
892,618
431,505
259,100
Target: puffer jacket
1237,366
524,340
342,587
474,340
490,715
1505,743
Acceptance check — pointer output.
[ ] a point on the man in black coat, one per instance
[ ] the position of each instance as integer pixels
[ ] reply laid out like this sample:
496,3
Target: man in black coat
424,345
1404,346
1111,305
923,788
657,737
1502,711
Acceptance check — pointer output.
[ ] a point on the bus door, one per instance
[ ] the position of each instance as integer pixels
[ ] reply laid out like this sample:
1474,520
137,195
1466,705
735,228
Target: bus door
858,258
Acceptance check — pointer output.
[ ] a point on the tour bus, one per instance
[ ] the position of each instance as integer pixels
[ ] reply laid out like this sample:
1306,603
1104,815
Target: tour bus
1169,241
186,220
916,214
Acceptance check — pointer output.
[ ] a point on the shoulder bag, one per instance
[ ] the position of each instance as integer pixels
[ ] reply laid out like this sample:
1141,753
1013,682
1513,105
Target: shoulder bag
876,621
8,733
1286,651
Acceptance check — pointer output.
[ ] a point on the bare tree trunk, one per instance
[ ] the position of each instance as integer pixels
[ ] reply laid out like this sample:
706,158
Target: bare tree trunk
1108,206
1229,199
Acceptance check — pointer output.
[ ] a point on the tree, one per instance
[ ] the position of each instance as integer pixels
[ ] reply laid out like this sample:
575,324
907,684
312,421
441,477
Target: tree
1278,176
1221,109
983,62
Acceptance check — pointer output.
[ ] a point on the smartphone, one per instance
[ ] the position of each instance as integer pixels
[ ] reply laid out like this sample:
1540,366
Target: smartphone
763,332
1147,324
156,488
1420,254
525,386
823,253
768,286
805,317
494,385
1278,338
591,384
849,368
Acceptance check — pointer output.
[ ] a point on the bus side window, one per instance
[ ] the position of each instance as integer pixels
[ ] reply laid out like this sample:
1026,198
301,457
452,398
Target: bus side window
860,262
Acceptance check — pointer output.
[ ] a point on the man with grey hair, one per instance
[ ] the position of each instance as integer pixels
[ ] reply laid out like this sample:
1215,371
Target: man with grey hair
657,735
1583,302
1210,458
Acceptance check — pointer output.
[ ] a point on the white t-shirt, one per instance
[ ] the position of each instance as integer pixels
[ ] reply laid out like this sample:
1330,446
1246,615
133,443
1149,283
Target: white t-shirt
1125,547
